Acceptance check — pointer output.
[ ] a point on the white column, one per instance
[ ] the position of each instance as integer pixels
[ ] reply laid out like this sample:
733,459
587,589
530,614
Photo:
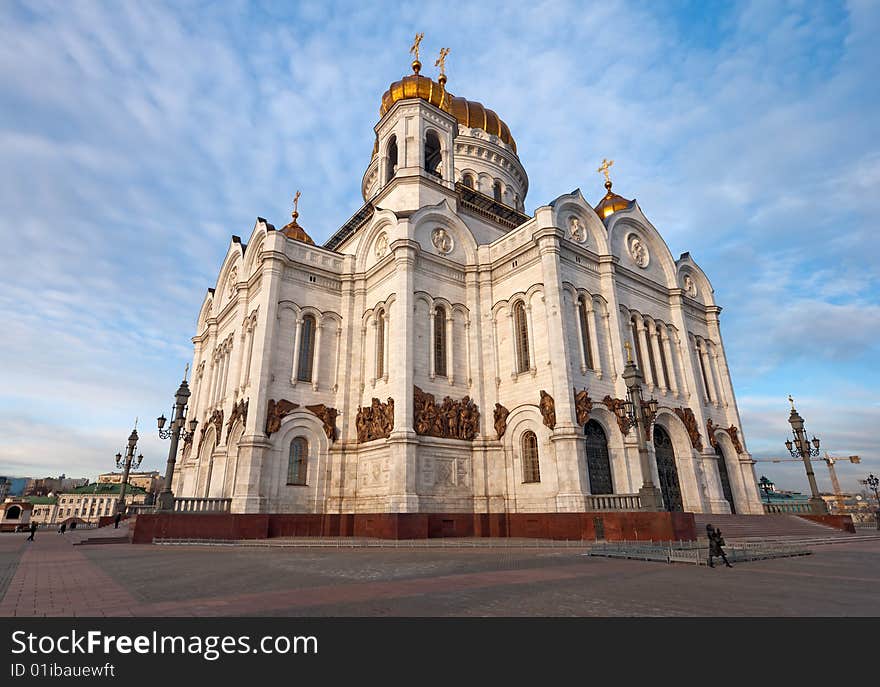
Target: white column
431,347
294,368
227,356
316,355
376,352
532,352
716,373
247,370
710,372
467,350
336,358
450,358
515,343
593,331
611,356
707,373
580,334
386,315
646,352
655,349
670,364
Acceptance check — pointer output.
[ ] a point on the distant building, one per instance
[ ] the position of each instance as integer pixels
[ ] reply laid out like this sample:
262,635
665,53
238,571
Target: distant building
5,487
48,485
84,504
15,513
148,481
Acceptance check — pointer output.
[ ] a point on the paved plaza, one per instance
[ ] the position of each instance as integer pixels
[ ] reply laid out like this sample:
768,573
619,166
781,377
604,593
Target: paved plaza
50,577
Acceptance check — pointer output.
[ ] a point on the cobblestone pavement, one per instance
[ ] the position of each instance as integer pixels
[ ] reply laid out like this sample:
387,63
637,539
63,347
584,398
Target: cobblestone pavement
55,578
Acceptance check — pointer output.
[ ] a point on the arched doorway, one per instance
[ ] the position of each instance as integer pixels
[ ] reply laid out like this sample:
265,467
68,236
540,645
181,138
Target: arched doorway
598,463
667,471
725,478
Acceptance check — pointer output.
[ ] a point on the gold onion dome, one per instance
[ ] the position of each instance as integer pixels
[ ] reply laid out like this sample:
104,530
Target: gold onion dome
292,230
611,203
468,112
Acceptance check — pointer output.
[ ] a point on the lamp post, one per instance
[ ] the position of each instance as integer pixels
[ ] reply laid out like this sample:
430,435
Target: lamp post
127,463
873,484
766,487
650,497
801,448
174,432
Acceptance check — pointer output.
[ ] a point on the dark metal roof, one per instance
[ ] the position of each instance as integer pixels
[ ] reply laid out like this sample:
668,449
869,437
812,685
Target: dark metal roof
489,208
357,220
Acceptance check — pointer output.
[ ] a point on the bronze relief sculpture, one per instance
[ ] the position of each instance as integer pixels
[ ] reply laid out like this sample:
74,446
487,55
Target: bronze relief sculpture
327,416
375,421
618,406
239,410
501,414
548,409
449,420
583,404
686,415
276,412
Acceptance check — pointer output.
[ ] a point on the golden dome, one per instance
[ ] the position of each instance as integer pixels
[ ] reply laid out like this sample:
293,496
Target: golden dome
294,231
611,203
468,112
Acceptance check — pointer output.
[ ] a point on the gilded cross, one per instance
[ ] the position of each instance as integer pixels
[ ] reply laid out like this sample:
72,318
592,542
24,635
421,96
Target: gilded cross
415,46
604,167
629,357
791,400
441,61
185,373
296,203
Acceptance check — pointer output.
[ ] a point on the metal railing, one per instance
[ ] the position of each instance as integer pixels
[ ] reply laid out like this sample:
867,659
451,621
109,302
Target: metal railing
597,502
138,508
202,505
771,508
695,553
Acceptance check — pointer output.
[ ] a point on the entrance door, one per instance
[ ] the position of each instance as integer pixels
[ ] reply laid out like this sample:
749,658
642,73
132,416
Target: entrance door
598,464
725,479
667,471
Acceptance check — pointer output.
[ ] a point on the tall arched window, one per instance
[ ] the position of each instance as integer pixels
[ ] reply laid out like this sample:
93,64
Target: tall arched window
439,341
583,316
521,331
306,349
298,462
663,366
391,159
496,191
467,180
531,469
380,344
651,358
433,155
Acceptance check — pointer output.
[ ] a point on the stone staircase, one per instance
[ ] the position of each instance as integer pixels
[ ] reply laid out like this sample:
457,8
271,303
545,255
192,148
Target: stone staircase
103,535
745,527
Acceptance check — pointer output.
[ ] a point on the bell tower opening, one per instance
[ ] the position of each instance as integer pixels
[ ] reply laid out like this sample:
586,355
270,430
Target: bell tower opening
433,154
391,159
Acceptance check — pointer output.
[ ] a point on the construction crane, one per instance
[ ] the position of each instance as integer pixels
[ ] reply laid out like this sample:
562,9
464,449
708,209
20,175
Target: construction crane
829,461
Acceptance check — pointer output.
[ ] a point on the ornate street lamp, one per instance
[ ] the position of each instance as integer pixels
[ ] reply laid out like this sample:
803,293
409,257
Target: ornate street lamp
873,483
801,448
174,432
128,462
766,487
641,415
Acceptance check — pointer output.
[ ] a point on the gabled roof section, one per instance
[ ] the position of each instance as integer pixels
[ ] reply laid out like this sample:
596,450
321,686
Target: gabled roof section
357,220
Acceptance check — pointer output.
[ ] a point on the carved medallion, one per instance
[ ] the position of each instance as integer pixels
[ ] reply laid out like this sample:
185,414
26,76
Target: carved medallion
583,404
442,241
448,420
327,416
231,284
618,407
501,414
239,411
381,246
375,421
548,409
275,412
638,251
576,232
686,415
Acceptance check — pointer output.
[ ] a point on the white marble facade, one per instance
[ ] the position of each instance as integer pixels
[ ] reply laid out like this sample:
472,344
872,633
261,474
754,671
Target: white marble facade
514,305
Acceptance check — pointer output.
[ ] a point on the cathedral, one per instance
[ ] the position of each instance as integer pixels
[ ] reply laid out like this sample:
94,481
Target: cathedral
444,352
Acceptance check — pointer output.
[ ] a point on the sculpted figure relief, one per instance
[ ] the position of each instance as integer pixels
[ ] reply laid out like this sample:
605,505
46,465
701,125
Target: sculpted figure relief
501,414
575,230
734,437
583,404
327,416
215,421
275,412
690,422
375,421
689,286
711,428
442,240
618,406
450,420
239,410
638,251
381,245
548,409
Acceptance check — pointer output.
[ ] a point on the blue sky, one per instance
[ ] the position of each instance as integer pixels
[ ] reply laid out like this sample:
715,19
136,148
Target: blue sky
135,138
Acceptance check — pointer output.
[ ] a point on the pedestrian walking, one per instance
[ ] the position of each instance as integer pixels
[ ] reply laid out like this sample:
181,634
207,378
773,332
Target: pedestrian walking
716,542
116,520
63,528
33,530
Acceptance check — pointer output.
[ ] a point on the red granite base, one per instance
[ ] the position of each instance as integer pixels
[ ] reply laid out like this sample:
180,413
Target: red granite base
614,526
840,522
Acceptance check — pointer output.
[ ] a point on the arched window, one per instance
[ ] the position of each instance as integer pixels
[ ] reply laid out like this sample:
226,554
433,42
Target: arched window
298,462
439,341
433,155
496,191
651,358
13,512
521,331
467,180
380,344
583,316
598,463
531,469
306,349
391,159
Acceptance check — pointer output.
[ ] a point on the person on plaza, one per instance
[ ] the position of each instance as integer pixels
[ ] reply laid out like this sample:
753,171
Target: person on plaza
116,520
33,530
716,542
63,528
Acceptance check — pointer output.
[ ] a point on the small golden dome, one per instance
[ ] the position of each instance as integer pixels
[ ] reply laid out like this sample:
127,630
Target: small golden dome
611,203
468,112
296,232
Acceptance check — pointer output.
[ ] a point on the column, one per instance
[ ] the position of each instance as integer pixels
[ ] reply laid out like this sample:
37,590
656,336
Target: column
679,355
450,342
432,352
316,357
250,352
716,373
294,368
593,330
643,344
580,334
336,357
658,364
386,340
467,350
670,363
376,352
514,343
707,370
533,354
